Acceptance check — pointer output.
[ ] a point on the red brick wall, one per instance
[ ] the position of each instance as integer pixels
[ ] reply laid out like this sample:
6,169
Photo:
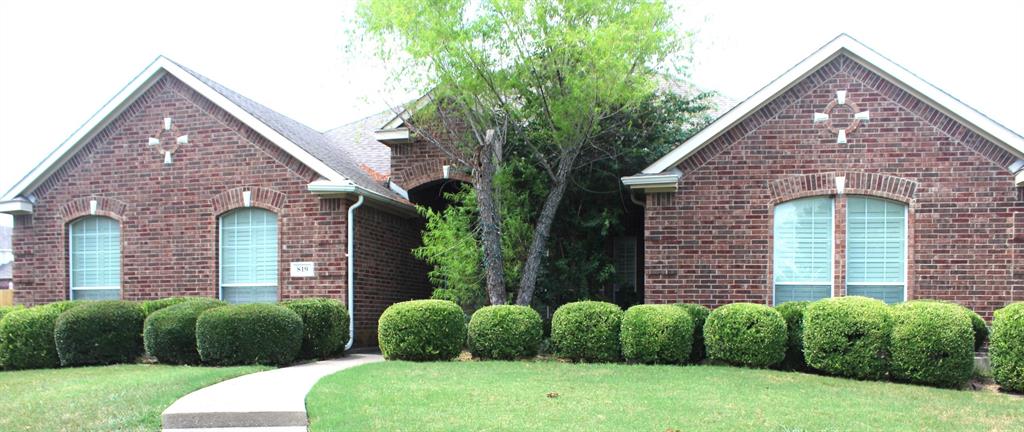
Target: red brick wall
168,213
419,162
710,242
385,270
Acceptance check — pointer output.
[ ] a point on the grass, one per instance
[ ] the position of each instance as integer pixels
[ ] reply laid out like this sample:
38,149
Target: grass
102,398
553,396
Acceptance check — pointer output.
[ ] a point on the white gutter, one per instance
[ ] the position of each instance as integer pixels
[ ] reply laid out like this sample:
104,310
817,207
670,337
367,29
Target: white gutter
664,182
328,189
350,254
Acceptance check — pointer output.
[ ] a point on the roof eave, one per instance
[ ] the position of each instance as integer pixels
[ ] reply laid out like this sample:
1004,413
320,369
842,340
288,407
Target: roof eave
16,207
327,189
667,182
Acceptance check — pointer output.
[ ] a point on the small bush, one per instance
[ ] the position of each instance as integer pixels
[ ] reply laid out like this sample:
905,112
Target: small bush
1006,349
657,334
932,343
587,331
848,336
4,310
977,323
248,334
150,306
505,332
746,334
699,314
169,334
99,332
793,313
325,326
422,330
26,336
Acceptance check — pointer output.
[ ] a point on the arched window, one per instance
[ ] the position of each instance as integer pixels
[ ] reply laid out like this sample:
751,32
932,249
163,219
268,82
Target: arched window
876,251
94,245
248,256
802,258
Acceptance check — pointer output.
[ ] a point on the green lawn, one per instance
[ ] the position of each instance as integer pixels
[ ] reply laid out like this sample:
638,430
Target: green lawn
103,398
478,396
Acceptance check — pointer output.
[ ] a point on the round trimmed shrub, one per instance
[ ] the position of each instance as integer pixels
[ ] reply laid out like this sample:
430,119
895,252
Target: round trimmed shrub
150,306
793,313
746,334
848,336
325,326
657,334
699,313
26,336
169,334
505,332
979,328
422,330
99,332
587,331
248,334
1006,348
932,343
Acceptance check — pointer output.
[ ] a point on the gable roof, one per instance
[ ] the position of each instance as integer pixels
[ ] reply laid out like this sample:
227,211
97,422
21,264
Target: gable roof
312,148
358,139
860,53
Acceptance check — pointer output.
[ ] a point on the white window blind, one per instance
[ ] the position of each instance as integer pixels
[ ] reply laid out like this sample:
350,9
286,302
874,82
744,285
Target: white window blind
248,256
802,256
95,263
876,259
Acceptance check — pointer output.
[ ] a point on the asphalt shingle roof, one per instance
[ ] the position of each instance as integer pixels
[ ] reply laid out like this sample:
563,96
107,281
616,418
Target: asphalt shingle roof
357,138
334,153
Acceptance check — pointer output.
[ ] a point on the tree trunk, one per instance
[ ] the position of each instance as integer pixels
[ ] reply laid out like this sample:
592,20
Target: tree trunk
542,229
490,221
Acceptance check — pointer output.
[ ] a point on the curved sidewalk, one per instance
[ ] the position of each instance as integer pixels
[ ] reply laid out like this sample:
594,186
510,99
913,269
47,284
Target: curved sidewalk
274,400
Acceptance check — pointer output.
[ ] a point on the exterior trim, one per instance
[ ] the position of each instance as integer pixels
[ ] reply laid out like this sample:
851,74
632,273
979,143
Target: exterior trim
873,61
667,182
137,87
392,136
16,207
349,190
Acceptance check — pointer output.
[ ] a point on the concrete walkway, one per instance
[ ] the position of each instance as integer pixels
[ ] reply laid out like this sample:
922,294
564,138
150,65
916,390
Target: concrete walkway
271,401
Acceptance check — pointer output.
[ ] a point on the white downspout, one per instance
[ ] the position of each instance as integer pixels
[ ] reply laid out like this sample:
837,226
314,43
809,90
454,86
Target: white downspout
350,245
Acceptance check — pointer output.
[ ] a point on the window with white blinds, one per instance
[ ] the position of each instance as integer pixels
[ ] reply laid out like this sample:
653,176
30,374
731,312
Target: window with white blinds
876,259
94,244
248,256
802,266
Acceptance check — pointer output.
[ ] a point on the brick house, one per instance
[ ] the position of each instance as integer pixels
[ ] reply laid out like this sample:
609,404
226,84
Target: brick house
180,186
847,175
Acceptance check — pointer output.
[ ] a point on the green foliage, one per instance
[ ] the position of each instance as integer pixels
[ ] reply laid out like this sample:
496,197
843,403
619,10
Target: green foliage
169,334
932,343
587,331
4,310
422,330
150,306
848,336
249,334
26,336
99,332
746,334
793,313
325,326
1006,348
505,332
699,313
980,329
657,334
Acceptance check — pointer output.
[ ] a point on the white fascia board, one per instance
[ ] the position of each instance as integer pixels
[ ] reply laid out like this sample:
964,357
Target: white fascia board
344,189
139,85
661,182
870,59
399,119
387,136
16,207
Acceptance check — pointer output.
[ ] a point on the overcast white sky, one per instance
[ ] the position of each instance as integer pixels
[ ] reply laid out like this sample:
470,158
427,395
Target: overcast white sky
61,61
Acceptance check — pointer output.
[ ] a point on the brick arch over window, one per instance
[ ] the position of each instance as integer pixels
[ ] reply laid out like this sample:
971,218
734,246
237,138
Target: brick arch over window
428,171
857,183
260,197
105,206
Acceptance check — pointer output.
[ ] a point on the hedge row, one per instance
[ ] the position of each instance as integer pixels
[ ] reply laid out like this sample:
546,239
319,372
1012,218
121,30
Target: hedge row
1007,347
179,330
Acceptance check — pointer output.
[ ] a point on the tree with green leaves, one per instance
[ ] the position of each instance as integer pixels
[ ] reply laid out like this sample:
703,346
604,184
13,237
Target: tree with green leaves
552,72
